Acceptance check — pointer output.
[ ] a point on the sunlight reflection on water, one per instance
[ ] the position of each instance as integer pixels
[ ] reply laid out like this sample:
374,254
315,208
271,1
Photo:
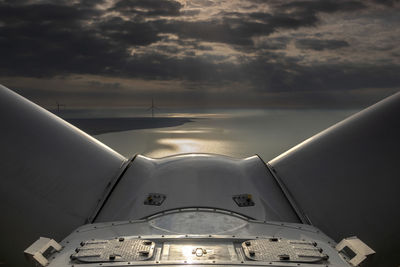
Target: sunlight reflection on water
189,145
182,131
267,133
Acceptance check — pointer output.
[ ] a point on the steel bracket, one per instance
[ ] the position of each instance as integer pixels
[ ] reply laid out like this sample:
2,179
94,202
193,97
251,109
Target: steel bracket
360,249
36,250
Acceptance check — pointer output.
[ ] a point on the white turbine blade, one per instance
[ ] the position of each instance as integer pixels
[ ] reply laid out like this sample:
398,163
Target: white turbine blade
346,179
52,175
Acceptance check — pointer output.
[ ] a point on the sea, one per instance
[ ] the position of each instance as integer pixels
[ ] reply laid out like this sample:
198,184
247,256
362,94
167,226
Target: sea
237,133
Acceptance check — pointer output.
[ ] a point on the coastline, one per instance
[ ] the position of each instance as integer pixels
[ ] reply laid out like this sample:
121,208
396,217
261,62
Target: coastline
96,126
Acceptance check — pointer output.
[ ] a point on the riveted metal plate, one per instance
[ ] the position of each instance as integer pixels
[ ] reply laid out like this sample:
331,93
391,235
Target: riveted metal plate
198,251
283,250
114,250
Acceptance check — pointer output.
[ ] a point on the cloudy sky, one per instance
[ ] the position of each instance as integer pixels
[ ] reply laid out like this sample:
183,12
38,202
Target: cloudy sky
201,53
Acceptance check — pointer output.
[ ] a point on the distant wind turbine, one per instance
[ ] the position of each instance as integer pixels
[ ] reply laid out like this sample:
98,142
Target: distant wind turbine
58,106
152,108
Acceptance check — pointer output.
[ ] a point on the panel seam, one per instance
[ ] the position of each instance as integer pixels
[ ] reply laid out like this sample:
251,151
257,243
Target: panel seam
299,212
109,189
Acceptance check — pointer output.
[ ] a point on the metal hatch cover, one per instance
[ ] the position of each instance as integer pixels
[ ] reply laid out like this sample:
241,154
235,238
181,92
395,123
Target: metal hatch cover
283,250
114,250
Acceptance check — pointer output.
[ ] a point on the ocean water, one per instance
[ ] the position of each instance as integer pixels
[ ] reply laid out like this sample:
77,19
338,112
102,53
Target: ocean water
235,133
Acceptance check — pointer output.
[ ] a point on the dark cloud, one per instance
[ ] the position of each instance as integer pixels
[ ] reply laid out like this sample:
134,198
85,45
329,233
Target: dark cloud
56,15
128,33
89,3
327,6
236,28
45,49
279,19
159,40
204,47
273,43
148,7
292,15
191,12
389,3
228,31
319,45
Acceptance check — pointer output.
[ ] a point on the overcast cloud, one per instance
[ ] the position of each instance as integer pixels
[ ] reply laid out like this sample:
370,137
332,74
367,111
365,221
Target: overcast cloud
214,53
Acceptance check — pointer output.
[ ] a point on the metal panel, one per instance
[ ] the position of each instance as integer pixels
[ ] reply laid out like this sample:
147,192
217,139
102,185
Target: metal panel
346,179
195,251
283,250
197,180
114,250
197,222
52,175
223,249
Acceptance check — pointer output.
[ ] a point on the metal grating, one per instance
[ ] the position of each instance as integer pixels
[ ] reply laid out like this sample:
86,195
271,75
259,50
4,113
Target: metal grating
283,250
114,250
